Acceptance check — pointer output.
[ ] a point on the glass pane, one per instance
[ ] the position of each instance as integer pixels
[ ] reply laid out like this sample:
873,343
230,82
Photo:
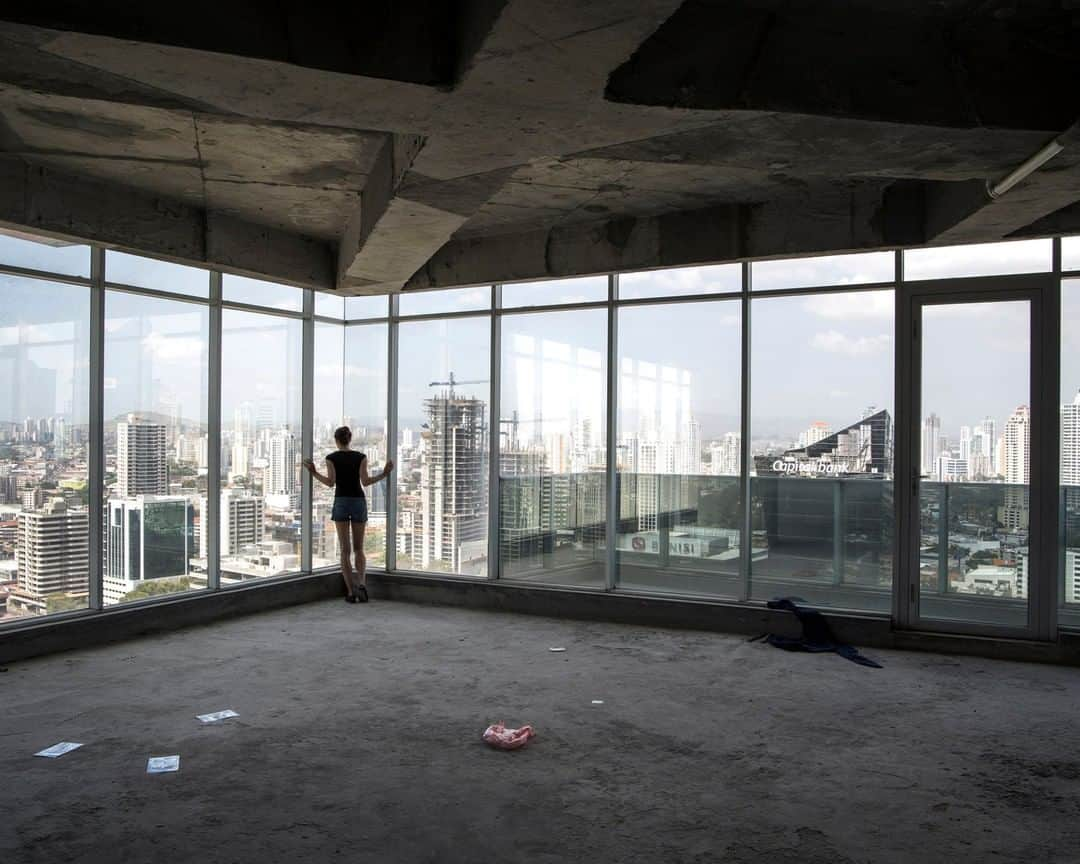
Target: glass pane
328,414
124,269
365,414
453,300
44,414
589,289
822,431
678,448
1069,556
1070,253
975,443
857,269
255,292
260,438
442,454
41,253
329,305
375,306
552,452
978,259
155,446
681,282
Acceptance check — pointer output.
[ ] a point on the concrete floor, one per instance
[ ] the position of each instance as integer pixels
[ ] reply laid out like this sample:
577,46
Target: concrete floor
359,739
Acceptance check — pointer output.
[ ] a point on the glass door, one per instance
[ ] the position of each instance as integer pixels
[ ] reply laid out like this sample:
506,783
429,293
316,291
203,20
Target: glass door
972,428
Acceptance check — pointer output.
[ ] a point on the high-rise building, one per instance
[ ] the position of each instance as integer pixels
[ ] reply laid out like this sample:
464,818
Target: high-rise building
281,481
1017,453
141,463
1015,459
241,518
726,455
52,550
814,433
147,537
965,442
453,482
931,443
1070,442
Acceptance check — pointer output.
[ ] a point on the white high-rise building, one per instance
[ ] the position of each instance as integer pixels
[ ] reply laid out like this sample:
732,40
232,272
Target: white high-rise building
965,442
1070,442
281,472
725,455
1017,447
52,550
141,464
931,443
241,519
817,431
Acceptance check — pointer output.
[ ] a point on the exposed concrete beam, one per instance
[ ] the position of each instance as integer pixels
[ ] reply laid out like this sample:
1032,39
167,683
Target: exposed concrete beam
844,219
64,205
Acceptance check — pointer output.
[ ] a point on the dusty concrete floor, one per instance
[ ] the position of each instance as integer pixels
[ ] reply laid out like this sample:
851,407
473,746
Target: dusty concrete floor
358,739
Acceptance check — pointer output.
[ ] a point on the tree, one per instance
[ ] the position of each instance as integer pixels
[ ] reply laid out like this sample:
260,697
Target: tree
157,587
63,603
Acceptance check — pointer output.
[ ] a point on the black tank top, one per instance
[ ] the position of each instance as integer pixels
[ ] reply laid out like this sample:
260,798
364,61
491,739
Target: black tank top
347,473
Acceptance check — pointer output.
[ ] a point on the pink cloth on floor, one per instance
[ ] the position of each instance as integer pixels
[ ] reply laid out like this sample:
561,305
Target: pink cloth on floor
497,735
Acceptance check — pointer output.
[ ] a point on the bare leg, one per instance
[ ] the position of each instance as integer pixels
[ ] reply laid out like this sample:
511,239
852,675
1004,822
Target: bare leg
346,563
358,551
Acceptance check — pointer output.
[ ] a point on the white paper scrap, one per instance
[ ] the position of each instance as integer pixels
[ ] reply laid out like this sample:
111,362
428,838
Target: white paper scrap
597,701
162,764
556,650
58,749
217,715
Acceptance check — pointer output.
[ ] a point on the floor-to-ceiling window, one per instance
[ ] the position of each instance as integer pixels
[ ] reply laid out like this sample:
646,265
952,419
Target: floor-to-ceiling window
44,429
156,445
821,431
1069,477
553,446
261,389
679,437
365,385
443,423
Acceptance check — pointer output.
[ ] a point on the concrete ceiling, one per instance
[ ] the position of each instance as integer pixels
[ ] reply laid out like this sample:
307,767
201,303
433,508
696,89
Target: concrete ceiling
435,143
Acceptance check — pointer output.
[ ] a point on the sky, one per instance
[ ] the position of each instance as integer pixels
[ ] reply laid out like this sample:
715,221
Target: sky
823,357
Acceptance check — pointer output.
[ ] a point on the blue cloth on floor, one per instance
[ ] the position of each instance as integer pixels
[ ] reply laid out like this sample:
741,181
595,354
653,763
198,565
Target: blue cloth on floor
816,637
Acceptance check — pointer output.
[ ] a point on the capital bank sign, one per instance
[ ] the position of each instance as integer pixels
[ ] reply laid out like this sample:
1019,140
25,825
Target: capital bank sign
807,466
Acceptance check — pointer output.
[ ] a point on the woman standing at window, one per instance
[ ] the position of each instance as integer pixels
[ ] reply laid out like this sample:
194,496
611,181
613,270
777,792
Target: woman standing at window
346,471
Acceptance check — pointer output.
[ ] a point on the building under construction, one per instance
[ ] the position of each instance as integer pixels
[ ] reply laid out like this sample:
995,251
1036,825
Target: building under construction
453,483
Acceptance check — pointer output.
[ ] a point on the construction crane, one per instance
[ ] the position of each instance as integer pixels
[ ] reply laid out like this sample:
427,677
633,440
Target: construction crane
453,381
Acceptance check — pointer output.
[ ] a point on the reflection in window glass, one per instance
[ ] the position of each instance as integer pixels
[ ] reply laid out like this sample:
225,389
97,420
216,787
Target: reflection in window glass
978,259
862,268
124,269
1070,253
44,433
375,306
442,448
681,282
552,451
679,447
1069,556
589,289
260,438
155,446
821,440
452,300
41,253
329,305
365,413
256,292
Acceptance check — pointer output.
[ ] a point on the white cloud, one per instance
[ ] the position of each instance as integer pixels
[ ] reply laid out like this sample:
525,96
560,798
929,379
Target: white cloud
853,306
836,342
172,349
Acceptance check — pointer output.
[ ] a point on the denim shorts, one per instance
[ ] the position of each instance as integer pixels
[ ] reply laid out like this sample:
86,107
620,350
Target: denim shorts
349,510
